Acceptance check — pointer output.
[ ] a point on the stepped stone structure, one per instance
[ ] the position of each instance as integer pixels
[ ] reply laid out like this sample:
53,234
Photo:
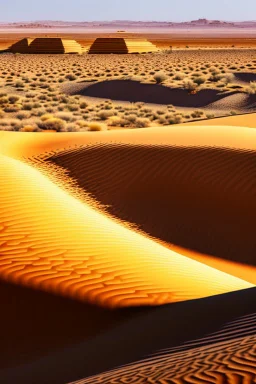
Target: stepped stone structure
121,46
54,45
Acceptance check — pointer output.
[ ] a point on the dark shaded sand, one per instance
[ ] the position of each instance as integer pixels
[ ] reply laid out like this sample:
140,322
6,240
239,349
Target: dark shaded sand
200,339
133,91
245,77
34,323
198,198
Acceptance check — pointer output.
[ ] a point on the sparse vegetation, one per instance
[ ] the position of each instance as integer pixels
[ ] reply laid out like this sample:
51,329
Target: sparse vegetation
35,92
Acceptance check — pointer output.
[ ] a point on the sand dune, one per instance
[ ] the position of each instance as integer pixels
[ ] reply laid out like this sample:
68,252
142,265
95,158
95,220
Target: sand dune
193,211
55,236
206,340
52,241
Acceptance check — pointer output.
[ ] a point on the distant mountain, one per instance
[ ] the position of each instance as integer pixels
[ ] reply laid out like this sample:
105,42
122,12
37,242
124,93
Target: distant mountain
202,23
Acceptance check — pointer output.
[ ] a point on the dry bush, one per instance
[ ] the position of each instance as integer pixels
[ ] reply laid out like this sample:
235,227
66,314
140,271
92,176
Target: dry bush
72,127
200,80
96,127
13,99
189,85
197,114
53,124
30,128
71,77
142,122
179,76
67,116
252,88
105,115
160,77
22,115
227,78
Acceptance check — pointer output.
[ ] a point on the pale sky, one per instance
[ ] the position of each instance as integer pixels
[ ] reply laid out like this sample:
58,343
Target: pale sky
92,10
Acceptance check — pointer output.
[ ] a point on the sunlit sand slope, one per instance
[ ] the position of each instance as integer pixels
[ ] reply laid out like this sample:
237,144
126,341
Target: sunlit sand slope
54,242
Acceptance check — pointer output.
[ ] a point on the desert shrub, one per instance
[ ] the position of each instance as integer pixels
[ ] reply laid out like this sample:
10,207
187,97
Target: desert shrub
83,105
251,89
160,77
28,106
197,114
179,76
1,114
30,128
160,112
4,100
142,122
210,116
71,127
176,119
104,115
189,85
19,84
82,123
131,118
73,107
117,121
227,78
96,127
53,124
22,115
200,80
13,99
70,77
11,108
66,116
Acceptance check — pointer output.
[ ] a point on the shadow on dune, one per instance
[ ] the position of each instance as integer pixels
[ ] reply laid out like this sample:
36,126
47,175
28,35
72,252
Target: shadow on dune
157,329
133,91
202,199
34,323
245,76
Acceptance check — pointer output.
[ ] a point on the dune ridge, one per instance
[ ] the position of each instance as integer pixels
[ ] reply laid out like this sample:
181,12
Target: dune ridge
52,241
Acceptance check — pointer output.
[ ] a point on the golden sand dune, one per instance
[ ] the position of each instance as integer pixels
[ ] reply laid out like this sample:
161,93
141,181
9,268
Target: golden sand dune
53,241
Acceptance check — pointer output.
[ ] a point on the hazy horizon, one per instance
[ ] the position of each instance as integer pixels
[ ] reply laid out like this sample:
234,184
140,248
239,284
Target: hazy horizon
134,10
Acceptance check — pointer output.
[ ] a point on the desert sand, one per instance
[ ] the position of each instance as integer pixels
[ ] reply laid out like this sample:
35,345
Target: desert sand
128,255
61,235
66,246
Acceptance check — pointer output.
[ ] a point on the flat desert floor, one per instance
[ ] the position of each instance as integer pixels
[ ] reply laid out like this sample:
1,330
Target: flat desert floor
127,225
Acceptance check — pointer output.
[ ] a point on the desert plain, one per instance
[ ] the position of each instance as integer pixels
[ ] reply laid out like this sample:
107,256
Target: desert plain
127,200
